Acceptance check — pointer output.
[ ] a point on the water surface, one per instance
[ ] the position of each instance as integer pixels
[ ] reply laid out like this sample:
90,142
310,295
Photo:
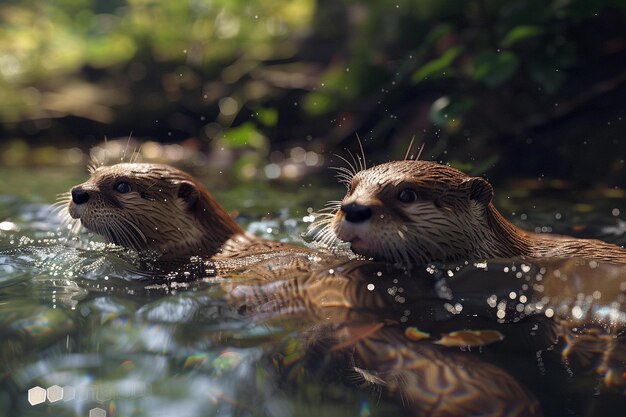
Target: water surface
108,332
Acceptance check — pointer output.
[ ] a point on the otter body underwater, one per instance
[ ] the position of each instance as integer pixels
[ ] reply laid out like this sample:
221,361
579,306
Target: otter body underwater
415,212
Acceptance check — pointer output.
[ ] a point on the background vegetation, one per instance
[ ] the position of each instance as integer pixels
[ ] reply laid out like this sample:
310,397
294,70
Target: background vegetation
512,88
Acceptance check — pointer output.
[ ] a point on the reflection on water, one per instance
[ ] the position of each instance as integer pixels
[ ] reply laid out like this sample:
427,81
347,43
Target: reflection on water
105,331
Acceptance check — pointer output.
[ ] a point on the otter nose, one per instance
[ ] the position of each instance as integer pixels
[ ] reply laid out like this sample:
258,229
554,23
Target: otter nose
356,213
79,196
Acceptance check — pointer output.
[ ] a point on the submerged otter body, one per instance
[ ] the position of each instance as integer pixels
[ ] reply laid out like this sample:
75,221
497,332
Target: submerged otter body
419,212
158,208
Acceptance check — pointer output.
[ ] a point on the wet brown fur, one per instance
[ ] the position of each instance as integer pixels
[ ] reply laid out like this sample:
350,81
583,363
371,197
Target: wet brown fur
452,219
167,211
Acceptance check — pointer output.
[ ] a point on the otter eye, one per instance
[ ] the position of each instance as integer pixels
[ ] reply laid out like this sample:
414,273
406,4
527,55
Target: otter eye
407,195
122,187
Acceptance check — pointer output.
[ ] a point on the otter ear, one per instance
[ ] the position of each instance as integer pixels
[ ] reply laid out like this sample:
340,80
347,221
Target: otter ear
188,192
479,190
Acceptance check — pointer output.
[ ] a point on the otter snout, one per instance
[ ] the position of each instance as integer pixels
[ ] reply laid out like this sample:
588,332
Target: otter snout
79,196
77,205
356,213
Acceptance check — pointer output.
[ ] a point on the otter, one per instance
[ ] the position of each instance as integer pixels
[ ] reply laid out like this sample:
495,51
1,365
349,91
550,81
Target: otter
416,212
160,209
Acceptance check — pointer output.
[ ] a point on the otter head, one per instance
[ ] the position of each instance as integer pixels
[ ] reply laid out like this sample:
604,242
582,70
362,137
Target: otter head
149,207
415,212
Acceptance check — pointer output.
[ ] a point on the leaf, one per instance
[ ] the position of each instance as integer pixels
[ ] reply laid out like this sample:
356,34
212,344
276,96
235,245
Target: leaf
316,103
436,67
415,334
520,33
494,69
245,135
472,338
267,116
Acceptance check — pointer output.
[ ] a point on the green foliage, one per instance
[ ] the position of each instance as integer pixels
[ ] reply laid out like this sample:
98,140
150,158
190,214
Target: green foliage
245,135
467,72
42,39
494,68
267,116
318,103
520,33
439,67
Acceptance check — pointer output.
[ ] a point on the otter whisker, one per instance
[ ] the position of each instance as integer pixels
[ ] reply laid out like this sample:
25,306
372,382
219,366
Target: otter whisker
95,162
389,253
126,235
56,208
64,218
321,217
395,253
325,236
136,154
115,235
411,254
92,166
138,233
329,241
352,169
66,227
408,156
321,223
408,151
72,226
343,174
63,215
402,249
343,178
123,158
343,170
333,202
414,254
433,243
317,229
62,199
419,154
364,164
118,234
400,382
358,164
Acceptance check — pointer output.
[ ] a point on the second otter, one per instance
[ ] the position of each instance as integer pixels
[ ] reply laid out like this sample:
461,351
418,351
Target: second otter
158,208
417,212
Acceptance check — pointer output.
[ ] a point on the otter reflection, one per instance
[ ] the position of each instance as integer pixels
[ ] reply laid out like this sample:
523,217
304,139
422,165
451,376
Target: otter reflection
362,314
